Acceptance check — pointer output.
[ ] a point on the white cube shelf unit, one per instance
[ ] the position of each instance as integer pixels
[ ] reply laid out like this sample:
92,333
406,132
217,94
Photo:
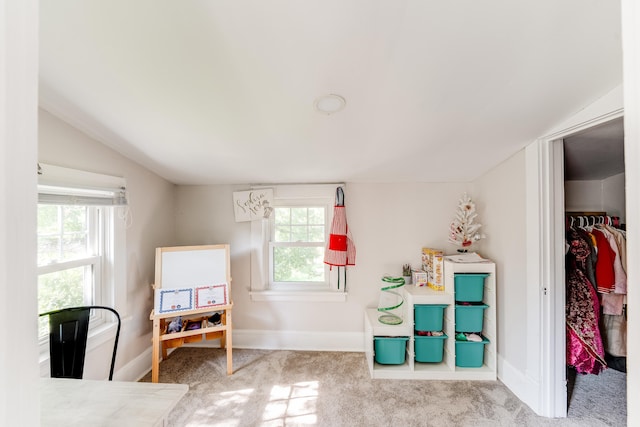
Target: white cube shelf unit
447,369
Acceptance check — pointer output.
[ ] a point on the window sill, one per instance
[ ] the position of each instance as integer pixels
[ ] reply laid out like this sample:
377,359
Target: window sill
299,296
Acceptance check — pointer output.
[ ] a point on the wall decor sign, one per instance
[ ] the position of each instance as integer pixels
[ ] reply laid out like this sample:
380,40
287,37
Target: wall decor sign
253,204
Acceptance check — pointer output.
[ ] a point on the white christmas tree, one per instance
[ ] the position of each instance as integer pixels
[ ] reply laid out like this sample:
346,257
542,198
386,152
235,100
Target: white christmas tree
463,231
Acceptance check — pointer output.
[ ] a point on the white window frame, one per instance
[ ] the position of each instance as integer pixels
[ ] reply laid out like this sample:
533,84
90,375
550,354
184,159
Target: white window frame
262,287
96,235
110,269
298,286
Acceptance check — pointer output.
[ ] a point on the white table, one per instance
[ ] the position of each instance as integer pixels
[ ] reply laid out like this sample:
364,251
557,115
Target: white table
70,402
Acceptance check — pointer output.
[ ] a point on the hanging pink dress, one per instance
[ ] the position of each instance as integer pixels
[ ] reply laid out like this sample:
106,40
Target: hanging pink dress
585,350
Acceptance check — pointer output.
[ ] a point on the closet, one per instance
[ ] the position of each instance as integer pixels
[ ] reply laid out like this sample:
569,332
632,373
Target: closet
595,257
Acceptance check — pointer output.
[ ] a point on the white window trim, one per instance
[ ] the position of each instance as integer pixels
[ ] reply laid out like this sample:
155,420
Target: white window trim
114,248
260,237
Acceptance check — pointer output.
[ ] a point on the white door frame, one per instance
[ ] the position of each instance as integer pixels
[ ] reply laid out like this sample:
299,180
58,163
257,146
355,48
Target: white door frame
19,373
553,388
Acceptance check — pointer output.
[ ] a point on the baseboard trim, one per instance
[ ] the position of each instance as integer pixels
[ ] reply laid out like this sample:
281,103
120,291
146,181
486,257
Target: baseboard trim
523,386
136,368
292,340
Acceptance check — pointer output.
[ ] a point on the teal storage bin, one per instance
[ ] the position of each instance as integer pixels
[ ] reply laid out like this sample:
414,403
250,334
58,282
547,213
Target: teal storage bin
429,349
390,350
470,354
469,318
469,287
428,317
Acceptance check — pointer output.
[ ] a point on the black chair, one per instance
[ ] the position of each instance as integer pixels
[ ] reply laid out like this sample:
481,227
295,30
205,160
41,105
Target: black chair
68,330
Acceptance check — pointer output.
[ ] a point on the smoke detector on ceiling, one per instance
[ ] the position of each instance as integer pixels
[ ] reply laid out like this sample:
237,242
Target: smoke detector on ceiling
329,104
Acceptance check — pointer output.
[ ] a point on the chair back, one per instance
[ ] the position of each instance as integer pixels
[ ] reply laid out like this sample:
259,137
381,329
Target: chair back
68,332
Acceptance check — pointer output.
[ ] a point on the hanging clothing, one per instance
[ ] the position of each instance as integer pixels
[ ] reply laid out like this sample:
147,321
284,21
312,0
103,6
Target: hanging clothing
621,244
585,349
615,334
614,319
583,253
613,300
596,287
605,276
340,250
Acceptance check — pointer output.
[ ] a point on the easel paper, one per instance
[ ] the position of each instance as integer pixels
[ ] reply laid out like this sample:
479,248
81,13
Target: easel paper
211,295
175,300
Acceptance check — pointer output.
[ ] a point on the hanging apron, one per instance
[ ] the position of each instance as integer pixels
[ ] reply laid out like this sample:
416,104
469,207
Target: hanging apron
340,251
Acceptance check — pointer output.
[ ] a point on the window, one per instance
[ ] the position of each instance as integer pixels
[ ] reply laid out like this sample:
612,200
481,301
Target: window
296,248
287,257
80,242
70,257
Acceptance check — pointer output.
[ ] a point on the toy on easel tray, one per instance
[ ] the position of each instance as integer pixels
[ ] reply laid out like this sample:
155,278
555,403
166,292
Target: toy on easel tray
175,325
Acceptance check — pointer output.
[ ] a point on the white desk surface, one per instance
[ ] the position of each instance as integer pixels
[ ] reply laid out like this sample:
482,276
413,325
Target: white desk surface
69,402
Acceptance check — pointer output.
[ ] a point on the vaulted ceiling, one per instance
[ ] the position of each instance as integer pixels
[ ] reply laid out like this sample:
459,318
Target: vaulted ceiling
222,91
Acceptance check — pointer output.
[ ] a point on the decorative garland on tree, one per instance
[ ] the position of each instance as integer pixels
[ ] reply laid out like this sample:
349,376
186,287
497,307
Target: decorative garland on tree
463,232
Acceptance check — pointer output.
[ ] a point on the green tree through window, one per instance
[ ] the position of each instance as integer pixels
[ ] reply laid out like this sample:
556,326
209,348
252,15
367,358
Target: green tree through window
298,241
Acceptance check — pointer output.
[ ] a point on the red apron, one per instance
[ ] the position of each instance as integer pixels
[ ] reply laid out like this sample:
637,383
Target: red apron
340,249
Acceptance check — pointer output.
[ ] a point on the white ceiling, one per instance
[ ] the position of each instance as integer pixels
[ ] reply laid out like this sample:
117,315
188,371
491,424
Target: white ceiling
205,91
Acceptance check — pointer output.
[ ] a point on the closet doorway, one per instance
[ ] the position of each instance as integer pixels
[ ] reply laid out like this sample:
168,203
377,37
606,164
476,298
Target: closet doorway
595,218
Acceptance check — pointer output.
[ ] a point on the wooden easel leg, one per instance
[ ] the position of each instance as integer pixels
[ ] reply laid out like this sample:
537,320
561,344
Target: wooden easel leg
228,339
223,338
155,362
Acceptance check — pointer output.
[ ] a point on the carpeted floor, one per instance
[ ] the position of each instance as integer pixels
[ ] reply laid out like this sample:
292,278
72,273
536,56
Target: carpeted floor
299,388
602,397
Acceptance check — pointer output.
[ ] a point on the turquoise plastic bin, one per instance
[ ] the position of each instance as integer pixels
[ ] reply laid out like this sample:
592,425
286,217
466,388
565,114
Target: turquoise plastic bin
470,354
429,349
428,317
390,350
469,287
469,318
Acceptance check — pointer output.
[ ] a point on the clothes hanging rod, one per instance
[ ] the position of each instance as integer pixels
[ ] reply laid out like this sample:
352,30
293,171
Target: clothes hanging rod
585,213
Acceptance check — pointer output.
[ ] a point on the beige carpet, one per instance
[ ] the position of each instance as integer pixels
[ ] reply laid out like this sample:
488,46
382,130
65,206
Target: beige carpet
298,388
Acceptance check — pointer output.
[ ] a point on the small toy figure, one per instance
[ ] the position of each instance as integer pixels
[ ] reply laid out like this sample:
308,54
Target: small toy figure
175,325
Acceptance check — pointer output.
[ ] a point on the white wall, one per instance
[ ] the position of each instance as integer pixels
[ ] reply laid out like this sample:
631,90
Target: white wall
614,196
501,196
605,195
583,196
151,201
390,224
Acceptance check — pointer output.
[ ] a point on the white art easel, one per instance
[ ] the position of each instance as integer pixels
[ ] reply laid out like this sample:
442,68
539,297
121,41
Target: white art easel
192,282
